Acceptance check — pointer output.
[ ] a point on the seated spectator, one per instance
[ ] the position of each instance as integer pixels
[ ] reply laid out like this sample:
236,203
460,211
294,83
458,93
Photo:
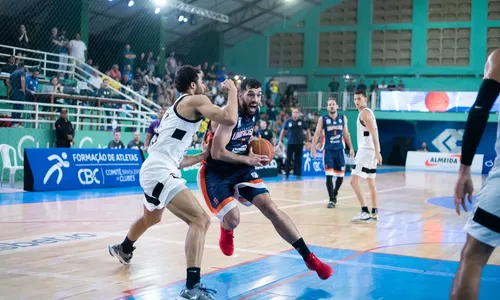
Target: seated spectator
105,91
115,73
374,87
32,81
116,143
112,83
266,133
334,86
128,72
220,100
95,80
136,142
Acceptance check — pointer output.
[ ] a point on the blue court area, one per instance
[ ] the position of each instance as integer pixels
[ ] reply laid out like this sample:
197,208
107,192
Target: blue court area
448,202
358,275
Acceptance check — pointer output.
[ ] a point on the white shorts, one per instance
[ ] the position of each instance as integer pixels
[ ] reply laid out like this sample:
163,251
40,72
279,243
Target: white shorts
366,164
161,181
484,220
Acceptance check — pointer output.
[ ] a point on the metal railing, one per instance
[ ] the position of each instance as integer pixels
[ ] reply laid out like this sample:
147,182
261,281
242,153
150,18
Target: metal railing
48,62
345,100
83,116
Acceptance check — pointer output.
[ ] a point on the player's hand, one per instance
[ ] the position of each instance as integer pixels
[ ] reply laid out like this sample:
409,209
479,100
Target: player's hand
229,85
256,160
379,158
205,152
313,151
463,189
351,153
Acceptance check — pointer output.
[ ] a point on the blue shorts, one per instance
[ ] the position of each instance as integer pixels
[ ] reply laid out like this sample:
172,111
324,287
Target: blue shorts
334,162
221,190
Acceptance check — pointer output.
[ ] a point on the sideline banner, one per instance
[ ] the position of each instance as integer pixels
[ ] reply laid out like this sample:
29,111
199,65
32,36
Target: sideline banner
435,161
54,169
312,166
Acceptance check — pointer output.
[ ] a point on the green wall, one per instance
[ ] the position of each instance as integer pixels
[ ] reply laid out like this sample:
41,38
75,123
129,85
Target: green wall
250,57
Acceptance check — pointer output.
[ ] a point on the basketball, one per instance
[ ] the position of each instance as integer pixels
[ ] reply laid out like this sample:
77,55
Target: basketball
437,101
263,147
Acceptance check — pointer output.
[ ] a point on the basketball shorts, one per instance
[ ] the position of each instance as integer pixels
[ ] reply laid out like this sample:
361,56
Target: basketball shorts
366,164
334,162
222,191
160,180
484,221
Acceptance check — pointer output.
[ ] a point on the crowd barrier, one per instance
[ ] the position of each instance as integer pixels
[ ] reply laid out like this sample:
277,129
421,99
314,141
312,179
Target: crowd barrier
54,169
446,162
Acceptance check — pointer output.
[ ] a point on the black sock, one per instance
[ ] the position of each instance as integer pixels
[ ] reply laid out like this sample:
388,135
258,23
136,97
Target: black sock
374,210
329,185
301,247
128,245
365,209
338,184
193,277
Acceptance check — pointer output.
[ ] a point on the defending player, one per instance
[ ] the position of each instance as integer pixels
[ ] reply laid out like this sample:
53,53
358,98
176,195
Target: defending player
367,157
483,226
334,126
229,175
160,175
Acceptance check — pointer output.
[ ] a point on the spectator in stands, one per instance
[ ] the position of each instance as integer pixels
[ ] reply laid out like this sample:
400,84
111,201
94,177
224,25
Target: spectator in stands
65,132
128,58
105,91
116,143
220,99
63,50
141,63
334,86
361,86
115,73
205,69
136,142
171,65
222,74
128,72
401,86
151,63
54,47
23,38
424,148
10,67
271,116
31,85
266,133
382,86
153,128
96,80
212,73
87,70
78,49
350,86
55,86
373,87
391,86
17,82
275,86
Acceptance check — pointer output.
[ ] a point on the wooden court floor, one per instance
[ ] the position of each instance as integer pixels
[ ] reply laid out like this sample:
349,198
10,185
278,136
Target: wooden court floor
54,245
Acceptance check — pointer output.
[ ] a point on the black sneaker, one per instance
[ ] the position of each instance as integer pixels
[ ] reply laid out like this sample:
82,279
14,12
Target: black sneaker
117,251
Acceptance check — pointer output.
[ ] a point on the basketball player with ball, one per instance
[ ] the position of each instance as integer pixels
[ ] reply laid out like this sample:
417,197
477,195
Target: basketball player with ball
229,176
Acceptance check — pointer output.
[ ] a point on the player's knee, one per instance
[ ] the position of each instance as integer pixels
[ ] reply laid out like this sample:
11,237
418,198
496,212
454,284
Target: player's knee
475,252
201,220
232,218
354,181
152,219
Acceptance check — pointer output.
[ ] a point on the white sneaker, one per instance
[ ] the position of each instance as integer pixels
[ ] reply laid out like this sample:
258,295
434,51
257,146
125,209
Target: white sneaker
362,217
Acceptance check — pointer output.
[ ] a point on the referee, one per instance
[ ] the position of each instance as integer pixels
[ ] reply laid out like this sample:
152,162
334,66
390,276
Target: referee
296,129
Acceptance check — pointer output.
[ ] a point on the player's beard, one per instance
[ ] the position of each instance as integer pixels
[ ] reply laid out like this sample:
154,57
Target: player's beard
248,111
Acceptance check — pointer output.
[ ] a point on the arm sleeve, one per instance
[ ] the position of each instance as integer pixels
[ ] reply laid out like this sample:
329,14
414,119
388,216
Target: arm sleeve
478,118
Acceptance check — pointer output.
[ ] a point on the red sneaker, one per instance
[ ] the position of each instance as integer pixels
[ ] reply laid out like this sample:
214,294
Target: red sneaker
226,241
314,264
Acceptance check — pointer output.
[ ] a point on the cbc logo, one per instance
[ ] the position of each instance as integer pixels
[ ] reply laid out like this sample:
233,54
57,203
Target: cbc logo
88,176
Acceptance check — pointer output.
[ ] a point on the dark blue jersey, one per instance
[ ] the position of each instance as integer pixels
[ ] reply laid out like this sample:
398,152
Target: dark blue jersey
238,144
333,128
